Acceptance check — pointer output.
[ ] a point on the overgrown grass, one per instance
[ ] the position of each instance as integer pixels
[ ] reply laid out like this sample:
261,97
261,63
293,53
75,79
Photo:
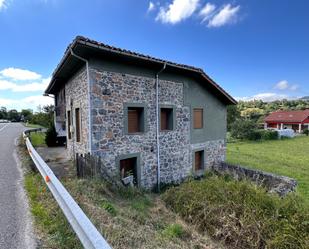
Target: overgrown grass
126,217
241,214
289,157
37,139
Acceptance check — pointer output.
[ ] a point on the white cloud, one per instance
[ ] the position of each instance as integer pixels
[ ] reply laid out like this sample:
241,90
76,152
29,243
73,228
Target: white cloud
207,11
267,97
294,87
151,6
19,74
226,15
31,102
177,11
282,85
28,87
2,4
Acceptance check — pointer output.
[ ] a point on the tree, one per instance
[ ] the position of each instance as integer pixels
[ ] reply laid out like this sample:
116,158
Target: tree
13,115
233,114
243,129
3,113
26,115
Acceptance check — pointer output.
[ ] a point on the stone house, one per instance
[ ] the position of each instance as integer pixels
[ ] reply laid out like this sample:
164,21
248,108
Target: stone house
156,120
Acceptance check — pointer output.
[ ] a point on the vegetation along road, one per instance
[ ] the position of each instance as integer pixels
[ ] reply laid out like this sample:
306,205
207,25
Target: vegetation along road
289,157
15,225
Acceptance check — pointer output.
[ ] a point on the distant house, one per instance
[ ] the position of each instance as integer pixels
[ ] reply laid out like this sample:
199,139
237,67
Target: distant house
296,120
154,119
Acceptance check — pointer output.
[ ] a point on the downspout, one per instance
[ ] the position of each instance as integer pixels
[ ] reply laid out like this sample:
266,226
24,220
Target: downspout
158,126
89,99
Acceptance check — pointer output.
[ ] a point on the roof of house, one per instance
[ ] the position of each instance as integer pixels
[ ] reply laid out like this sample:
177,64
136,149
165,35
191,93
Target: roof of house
85,48
288,116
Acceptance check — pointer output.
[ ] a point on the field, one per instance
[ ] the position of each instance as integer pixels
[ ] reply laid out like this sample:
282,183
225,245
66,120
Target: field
289,157
37,139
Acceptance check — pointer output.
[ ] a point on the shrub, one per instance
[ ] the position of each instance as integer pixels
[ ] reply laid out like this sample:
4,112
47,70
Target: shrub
243,129
269,135
51,136
241,214
255,135
306,132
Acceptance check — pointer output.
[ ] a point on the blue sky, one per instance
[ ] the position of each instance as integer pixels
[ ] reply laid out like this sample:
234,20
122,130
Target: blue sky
253,49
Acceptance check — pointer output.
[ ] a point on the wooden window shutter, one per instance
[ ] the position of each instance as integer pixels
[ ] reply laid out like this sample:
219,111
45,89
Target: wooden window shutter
164,120
197,118
77,124
69,125
133,120
198,160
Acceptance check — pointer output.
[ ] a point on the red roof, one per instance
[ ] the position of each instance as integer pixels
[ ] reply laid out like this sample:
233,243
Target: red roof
287,116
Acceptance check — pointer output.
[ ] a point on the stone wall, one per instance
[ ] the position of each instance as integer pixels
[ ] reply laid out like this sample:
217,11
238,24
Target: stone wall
110,90
274,183
76,89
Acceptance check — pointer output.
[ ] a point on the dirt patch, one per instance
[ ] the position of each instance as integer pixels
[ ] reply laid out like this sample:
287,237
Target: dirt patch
58,160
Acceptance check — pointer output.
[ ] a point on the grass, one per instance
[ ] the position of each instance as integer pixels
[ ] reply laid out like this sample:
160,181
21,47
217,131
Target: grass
241,214
126,217
289,157
29,125
37,139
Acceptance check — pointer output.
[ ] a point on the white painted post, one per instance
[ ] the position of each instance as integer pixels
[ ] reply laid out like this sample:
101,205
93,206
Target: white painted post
265,126
281,128
299,128
278,126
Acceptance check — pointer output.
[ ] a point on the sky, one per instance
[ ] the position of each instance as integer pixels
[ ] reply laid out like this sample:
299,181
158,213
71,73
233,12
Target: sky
254,49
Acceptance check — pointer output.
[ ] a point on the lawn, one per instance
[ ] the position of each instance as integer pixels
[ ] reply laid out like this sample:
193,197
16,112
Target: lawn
289,157
37,139
32,125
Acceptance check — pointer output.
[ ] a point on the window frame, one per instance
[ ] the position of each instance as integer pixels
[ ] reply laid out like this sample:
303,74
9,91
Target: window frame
143,119
203,167
172,117
78,135
138,164
193,117
69,118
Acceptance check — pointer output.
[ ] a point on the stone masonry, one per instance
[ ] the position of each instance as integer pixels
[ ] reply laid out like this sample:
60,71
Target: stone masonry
110,91
76,89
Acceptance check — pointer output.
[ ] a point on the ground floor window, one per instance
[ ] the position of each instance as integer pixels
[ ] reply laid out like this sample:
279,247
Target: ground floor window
128,167
199,160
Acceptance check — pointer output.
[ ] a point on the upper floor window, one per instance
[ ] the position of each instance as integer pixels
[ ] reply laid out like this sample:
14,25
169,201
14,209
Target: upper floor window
166,119
198,118
135,119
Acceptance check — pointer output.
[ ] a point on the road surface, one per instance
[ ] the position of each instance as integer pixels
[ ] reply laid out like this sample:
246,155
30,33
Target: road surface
15,223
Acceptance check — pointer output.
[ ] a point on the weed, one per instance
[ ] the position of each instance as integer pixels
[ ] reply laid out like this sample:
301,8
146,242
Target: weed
173,231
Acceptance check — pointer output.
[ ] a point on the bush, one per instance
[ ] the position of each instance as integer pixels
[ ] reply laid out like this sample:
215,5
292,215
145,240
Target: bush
243,129
269,135
51,136
306,132
241,214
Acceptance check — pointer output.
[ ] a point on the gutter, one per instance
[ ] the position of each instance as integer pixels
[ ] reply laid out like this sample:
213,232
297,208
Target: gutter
158,127
89,99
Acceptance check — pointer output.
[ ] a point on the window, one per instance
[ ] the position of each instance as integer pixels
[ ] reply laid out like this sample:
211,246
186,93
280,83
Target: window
77,124
198,160
167,122
128,167
69,125
197,118
134,121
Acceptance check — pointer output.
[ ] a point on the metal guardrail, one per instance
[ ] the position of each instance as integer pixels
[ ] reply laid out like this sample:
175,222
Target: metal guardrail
85,230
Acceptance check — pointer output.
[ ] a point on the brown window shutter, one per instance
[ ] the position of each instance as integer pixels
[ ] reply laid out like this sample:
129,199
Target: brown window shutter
198,118
198,160
77,123
133,121
164,124
69,124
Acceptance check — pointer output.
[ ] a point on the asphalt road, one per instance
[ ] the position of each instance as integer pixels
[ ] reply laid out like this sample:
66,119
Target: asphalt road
15,223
